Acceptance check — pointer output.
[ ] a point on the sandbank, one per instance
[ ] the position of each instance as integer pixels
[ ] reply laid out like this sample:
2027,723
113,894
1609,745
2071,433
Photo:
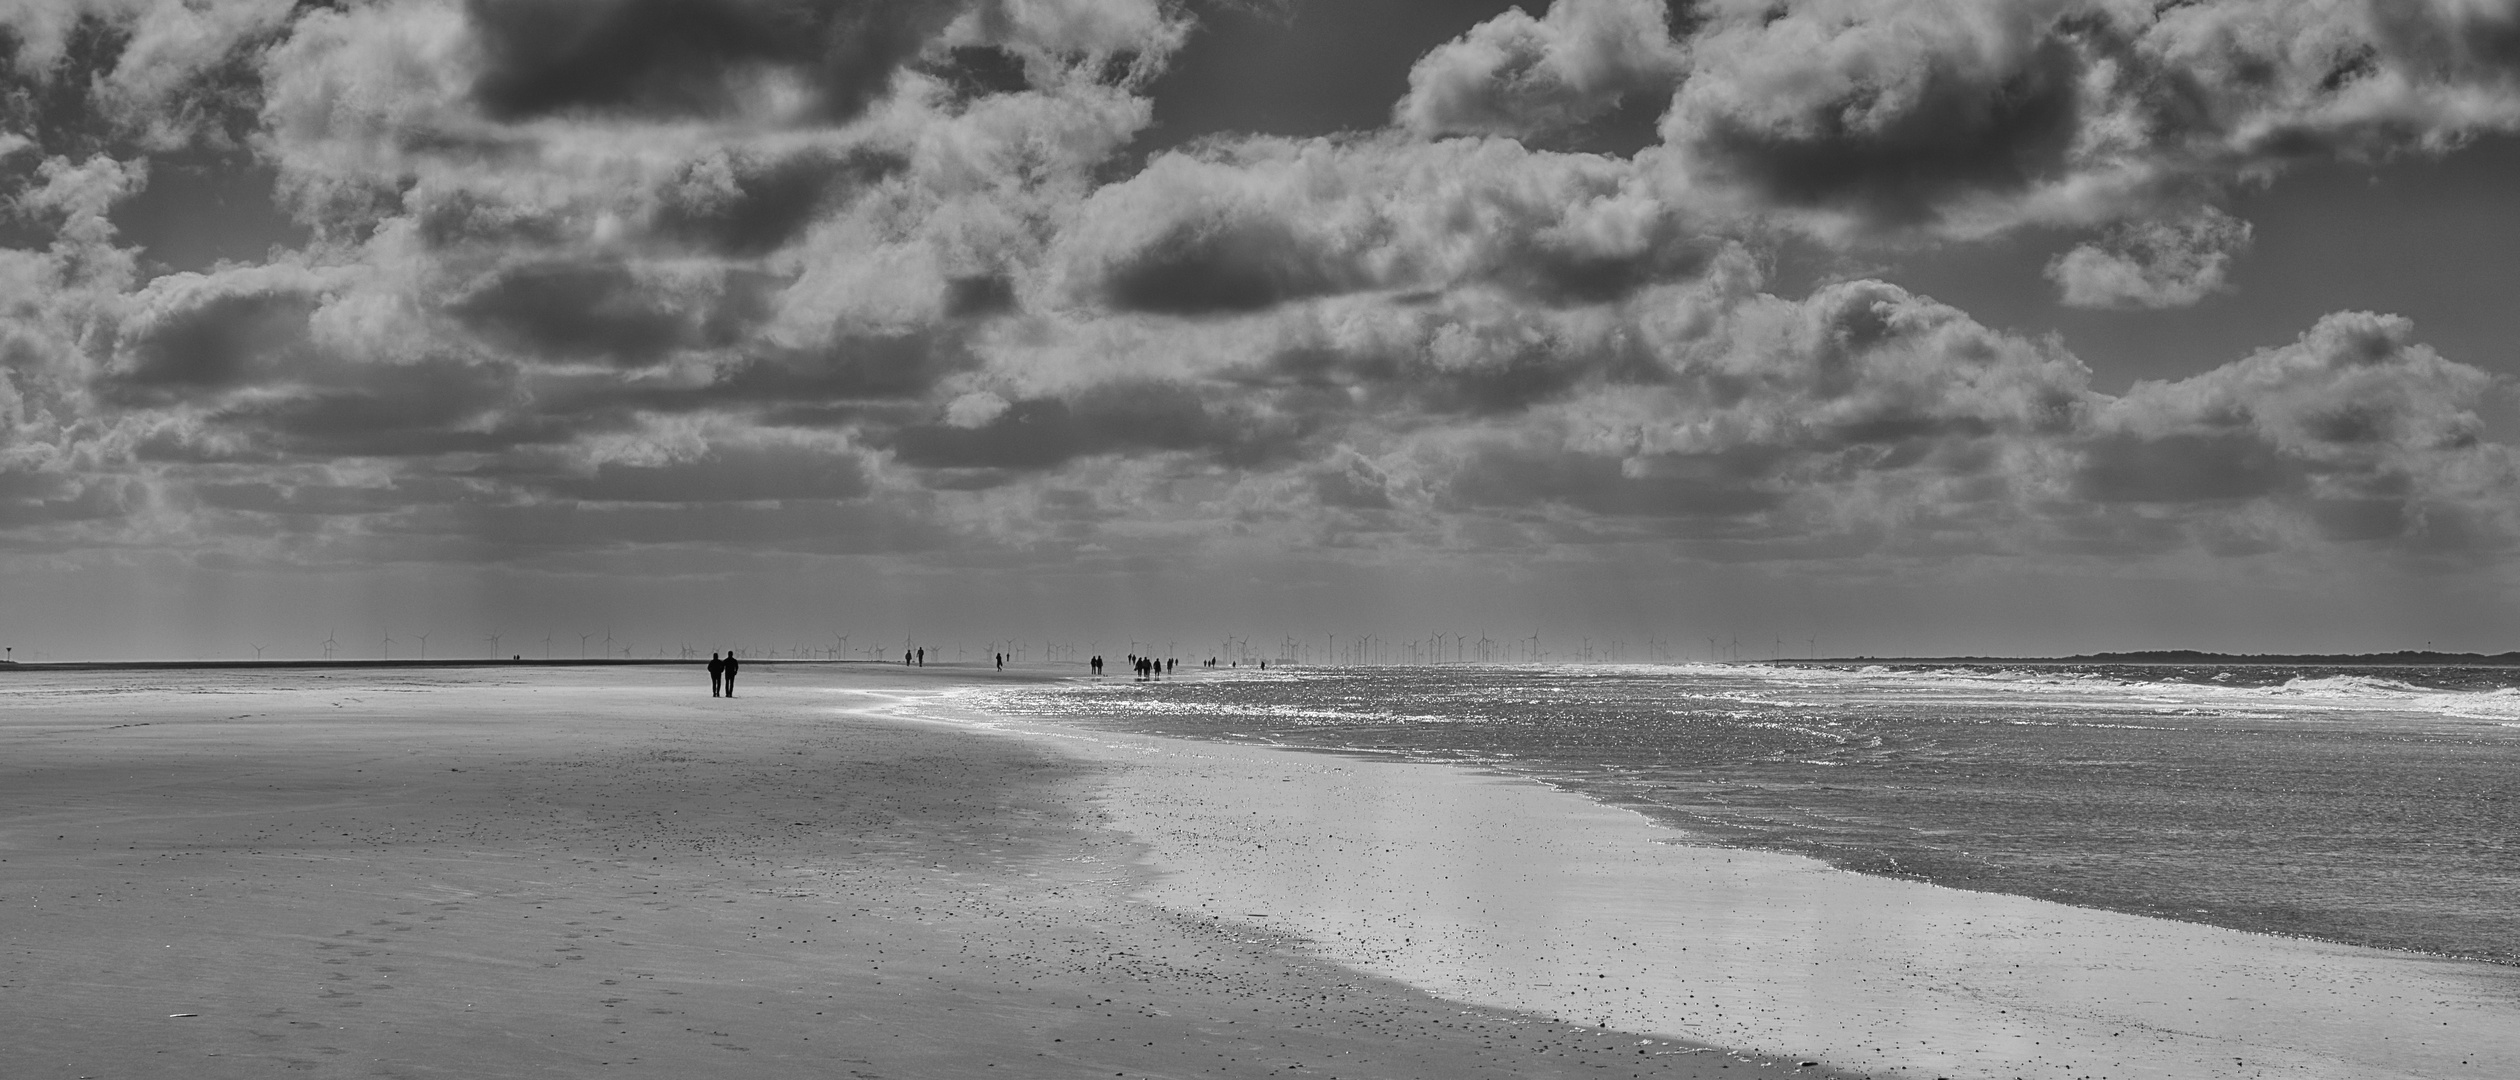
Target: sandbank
572,872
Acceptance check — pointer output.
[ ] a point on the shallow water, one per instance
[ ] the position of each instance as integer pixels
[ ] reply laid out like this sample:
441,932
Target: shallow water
2370,808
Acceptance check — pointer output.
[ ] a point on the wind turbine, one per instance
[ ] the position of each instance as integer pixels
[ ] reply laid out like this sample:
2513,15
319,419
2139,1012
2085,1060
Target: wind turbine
546,646
389,646
258,652
493,639
424,646
328,644
582,640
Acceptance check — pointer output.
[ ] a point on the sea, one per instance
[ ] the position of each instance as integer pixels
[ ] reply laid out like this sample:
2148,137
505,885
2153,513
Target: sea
2363,805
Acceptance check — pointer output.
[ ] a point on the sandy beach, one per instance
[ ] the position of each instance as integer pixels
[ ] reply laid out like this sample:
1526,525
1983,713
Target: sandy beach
538,872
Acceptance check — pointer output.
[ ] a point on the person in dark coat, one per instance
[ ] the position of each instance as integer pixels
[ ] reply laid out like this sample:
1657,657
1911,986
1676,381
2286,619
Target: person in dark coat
717,674
730,672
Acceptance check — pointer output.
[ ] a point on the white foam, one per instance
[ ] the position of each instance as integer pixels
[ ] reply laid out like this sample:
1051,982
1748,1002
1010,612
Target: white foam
2299,695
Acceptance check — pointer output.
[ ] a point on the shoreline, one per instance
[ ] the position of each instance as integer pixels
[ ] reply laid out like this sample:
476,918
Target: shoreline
1831,963
608,873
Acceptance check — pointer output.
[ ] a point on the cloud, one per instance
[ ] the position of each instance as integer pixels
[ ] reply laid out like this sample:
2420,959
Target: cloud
1886,112
2356,424
724,472
186,73
1270,222
1518,76
1116,417
741,205
570,309
1963,117
717,276
2152,264
195,333
695,58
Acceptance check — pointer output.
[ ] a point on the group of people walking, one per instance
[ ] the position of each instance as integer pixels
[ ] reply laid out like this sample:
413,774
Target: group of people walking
722,668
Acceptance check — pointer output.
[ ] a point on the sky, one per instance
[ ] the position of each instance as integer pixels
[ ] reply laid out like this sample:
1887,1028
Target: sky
1788,327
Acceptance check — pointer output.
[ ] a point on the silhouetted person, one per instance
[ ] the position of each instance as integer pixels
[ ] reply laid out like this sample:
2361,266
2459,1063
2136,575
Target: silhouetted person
922,656
905,658
730,672
717,674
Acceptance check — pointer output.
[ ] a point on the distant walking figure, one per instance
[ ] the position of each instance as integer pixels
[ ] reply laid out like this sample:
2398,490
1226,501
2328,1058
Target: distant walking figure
717,674
905,658
730,672
922,656
1001,659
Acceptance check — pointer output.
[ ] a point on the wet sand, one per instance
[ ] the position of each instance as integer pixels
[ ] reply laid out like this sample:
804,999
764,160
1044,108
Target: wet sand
1504,892
573,873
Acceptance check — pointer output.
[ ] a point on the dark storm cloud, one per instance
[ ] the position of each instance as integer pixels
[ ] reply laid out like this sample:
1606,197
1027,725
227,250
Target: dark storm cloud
215,344
196,336
1234,264
414,410
1552,271
1897,146
691,58
604,309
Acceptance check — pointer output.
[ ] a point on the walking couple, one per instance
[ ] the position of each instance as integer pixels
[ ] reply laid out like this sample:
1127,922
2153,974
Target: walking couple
722,674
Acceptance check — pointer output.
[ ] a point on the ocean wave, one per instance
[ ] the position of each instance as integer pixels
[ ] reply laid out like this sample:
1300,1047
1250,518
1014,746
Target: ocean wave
2319,692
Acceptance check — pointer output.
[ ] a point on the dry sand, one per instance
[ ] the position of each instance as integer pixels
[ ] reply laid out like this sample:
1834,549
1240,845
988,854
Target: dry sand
560,873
